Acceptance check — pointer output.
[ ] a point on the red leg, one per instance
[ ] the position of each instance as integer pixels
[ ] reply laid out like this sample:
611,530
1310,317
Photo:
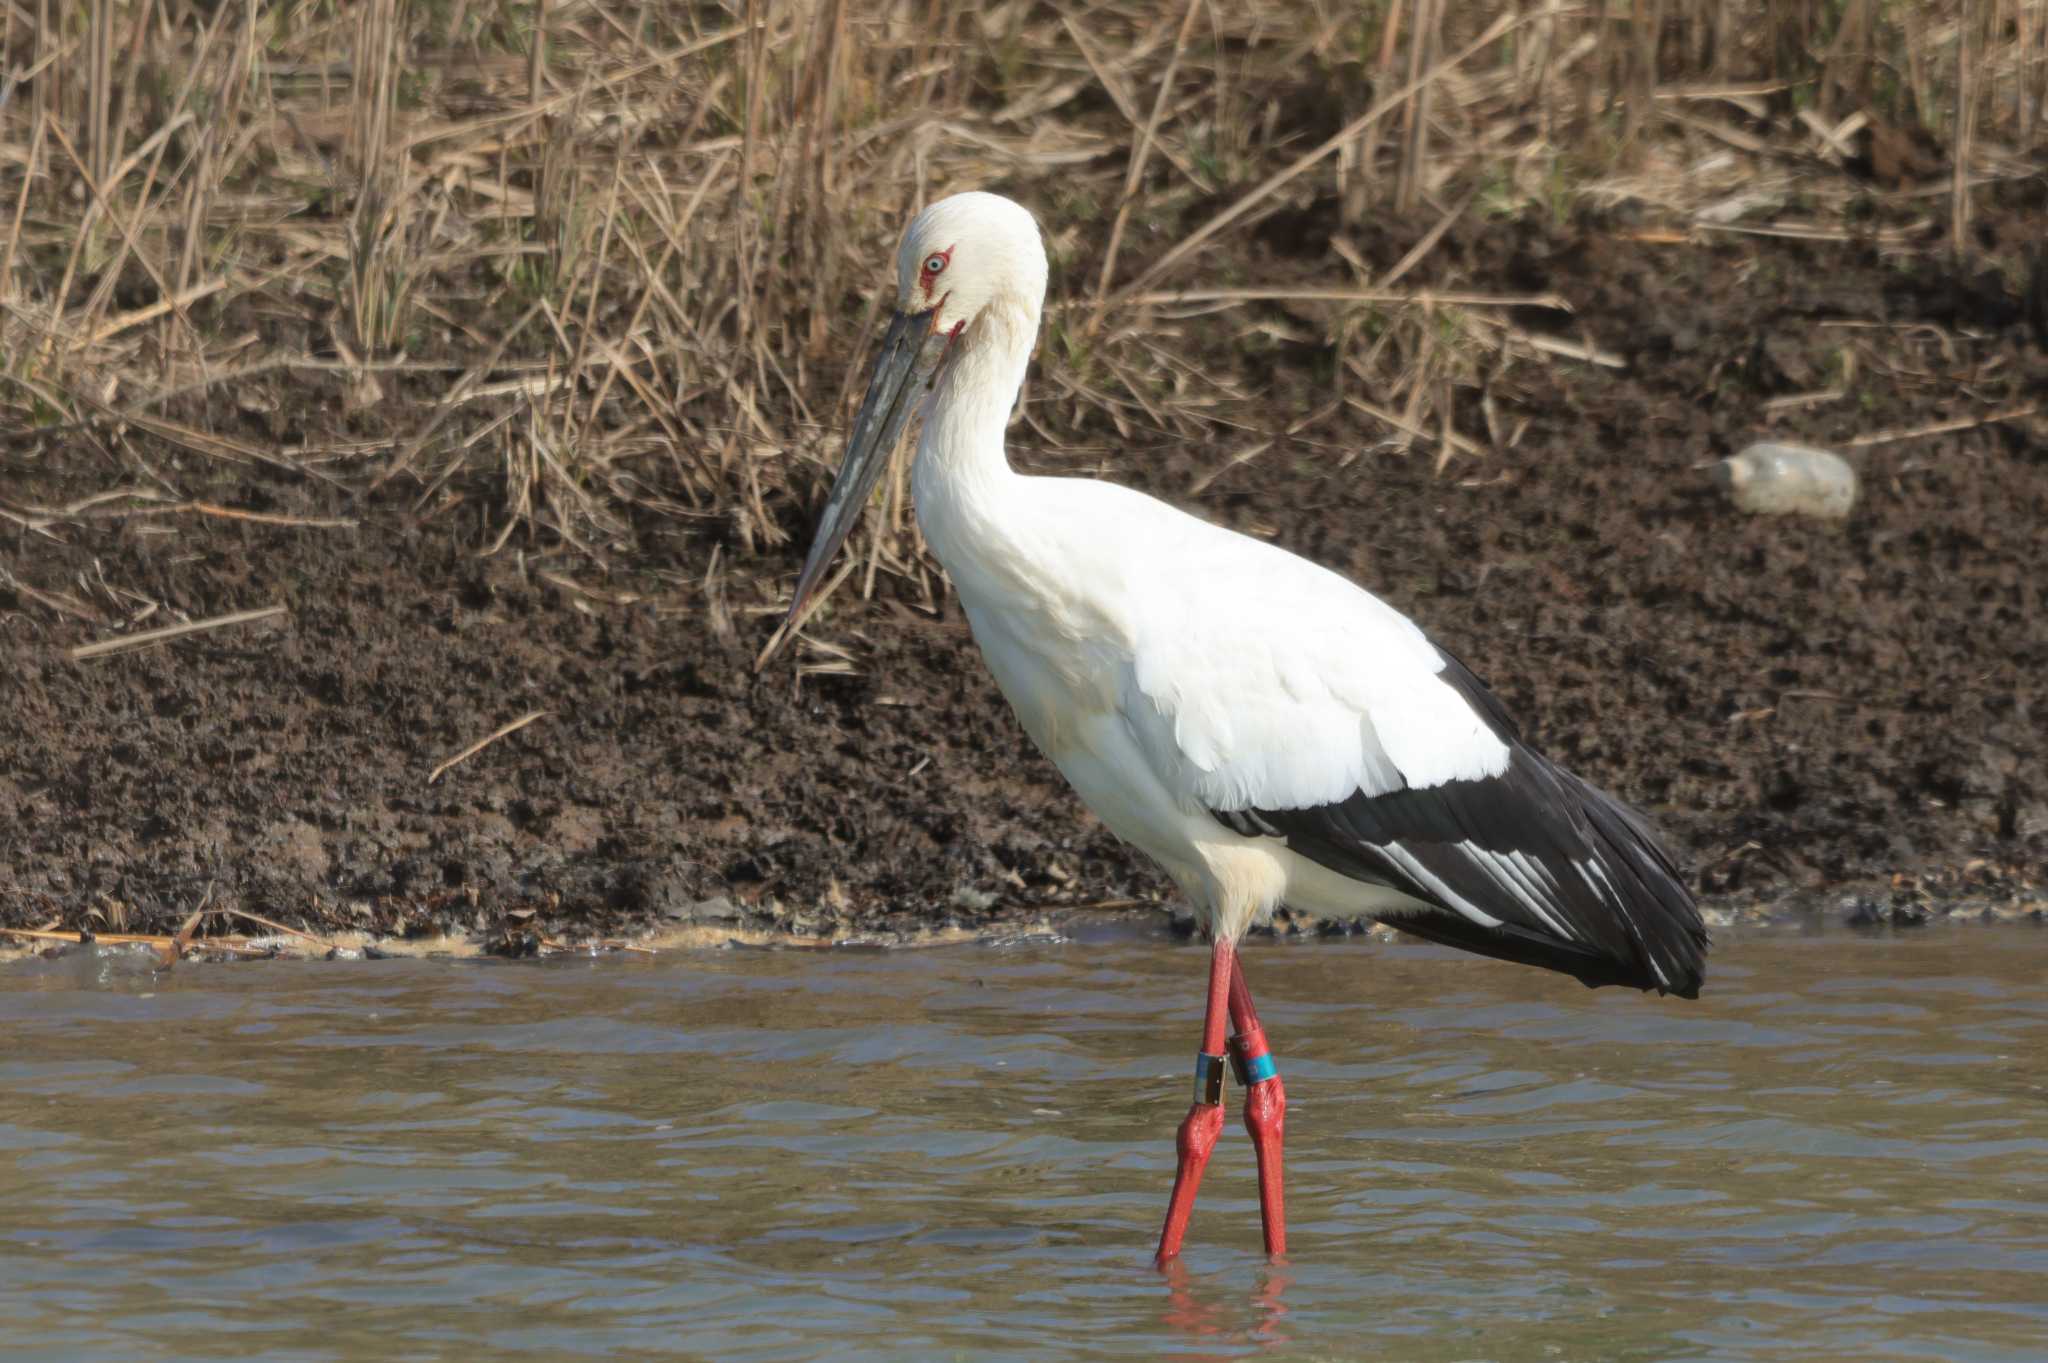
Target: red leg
1204,1123
1265,1110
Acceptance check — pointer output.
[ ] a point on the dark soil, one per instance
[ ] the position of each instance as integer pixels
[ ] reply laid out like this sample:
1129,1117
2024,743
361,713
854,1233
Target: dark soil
1850,714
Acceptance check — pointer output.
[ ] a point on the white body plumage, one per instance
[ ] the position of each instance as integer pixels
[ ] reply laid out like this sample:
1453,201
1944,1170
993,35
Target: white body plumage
1265,729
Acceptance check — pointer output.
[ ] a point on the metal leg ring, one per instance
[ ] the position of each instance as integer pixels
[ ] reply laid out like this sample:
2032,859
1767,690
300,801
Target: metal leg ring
1208,1079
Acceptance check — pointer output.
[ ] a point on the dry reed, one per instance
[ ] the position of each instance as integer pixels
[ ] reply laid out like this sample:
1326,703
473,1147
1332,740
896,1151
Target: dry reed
608,261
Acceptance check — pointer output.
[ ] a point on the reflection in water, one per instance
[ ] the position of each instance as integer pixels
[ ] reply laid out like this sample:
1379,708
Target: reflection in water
1838,1153
1192,1316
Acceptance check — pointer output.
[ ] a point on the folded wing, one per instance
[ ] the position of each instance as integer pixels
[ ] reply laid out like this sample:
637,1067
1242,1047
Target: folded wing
1532,865
1334,723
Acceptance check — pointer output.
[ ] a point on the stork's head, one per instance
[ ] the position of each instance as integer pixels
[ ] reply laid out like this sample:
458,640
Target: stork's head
970,261
964,254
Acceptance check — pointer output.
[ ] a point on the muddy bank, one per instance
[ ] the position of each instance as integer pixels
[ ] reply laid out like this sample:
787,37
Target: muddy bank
1843,715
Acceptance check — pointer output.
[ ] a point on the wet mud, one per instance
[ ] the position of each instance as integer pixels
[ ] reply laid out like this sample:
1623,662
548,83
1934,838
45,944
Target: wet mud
1844,716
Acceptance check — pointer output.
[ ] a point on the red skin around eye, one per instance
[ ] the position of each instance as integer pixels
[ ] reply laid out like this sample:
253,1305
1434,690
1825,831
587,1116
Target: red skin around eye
925,277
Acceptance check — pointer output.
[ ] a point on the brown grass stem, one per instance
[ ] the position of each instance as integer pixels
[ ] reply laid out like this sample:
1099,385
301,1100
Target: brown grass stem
151,637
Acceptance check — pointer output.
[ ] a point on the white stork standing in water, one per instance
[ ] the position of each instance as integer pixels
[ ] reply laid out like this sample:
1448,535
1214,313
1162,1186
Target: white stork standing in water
1265,730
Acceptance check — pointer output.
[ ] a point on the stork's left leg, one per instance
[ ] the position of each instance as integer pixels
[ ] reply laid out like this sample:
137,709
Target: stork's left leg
1265,1109
1204,1123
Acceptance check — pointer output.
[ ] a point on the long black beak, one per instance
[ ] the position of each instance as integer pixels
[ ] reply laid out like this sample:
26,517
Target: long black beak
910,356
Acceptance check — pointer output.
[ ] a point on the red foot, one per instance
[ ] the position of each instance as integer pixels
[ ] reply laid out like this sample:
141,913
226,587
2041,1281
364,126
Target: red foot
1195,1143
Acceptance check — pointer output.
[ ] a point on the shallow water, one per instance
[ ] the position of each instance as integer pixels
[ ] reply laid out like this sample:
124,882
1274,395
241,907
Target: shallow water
1841,1152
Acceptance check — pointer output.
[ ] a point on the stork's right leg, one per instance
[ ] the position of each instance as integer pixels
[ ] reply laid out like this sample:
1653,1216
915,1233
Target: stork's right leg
1265,1109
1204,1121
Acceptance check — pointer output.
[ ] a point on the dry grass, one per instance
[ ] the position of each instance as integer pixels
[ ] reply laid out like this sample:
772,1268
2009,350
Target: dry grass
562,266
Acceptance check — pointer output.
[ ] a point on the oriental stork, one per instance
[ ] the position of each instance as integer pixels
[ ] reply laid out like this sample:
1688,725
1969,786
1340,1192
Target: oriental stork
1266,730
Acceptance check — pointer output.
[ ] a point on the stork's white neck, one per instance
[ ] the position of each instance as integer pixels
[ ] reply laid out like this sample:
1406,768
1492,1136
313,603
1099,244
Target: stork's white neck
962,473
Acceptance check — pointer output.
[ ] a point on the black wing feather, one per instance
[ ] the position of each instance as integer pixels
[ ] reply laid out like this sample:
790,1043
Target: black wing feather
1577,879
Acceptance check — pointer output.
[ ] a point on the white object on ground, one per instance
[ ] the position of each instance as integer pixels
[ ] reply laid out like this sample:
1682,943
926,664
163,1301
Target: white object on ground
1772,479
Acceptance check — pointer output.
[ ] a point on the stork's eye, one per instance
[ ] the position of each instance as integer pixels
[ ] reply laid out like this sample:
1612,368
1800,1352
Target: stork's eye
934,264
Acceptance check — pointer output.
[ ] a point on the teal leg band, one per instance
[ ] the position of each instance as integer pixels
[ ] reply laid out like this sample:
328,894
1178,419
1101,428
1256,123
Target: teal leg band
1250,1059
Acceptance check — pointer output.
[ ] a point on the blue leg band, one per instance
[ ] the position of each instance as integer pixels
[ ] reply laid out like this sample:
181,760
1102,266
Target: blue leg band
1254,1068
